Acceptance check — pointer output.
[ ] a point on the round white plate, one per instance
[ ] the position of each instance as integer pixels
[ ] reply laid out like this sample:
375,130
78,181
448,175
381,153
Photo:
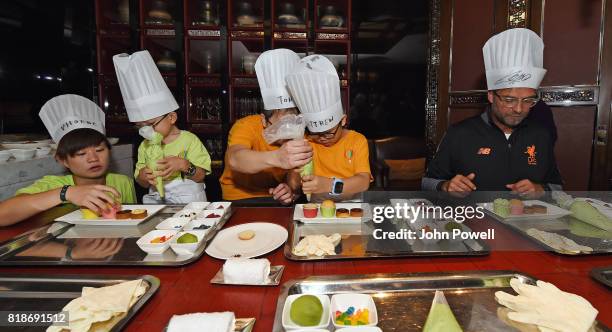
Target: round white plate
226,243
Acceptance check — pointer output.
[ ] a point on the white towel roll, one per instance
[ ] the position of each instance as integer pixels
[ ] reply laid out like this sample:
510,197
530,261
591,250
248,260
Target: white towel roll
203,321
246,271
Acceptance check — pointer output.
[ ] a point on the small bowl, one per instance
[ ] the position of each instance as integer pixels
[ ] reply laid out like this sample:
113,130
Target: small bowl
197,206
360,329
211,214
189,214
113,140
219,206
194,224
310,210
187,248
173,224
5,155
288,324
155,248
41,152
310,330
341,302
23,154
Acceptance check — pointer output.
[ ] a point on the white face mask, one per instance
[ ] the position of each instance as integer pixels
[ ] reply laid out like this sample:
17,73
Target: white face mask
146,132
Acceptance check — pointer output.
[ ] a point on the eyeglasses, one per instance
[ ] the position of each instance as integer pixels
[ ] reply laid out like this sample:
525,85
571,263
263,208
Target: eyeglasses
512,102
152,125
325,135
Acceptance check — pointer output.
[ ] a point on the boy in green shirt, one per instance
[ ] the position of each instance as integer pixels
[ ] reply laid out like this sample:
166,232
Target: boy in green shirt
77,125
172,163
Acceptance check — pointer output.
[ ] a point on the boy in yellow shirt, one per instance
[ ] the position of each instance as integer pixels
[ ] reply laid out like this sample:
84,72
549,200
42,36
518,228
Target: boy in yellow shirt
176,156
341,156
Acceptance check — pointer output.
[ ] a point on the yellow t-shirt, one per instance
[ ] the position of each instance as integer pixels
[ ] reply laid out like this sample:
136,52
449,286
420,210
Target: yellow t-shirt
346,158
248,132
187,146
123,184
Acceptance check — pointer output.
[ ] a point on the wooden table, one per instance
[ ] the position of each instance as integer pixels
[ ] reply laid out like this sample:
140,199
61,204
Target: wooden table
188,289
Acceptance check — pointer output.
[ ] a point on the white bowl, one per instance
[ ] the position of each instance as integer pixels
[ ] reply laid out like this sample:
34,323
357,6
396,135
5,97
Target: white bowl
173,224
113,140
196,206
187,248
194,224
190,214
208,214
310,330
288,324
219,206
41,152
5,155
23,154
360,329
155,248
341,302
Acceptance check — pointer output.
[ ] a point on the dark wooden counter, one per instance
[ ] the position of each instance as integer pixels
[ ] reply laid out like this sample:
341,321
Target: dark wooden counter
188,289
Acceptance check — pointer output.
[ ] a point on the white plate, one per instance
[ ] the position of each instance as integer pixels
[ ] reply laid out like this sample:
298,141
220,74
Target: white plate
226,243
288,324
553,212
76,218
298,214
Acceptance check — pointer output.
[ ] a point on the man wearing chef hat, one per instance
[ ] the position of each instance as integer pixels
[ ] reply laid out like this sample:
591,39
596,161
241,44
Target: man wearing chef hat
255,170
178,156
341,156
501,149
77,126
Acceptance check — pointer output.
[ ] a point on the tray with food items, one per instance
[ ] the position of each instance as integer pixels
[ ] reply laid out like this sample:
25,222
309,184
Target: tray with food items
118,215
329,211
428,302
331,241
516,209
75,302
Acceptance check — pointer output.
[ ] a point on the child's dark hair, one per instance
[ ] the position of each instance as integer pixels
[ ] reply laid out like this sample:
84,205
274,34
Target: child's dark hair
79,139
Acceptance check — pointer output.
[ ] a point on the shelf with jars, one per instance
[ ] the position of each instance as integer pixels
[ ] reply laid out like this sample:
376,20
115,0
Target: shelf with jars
113,17
246,15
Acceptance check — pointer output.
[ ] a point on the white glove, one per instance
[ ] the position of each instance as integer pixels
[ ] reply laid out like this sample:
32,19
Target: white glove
548,307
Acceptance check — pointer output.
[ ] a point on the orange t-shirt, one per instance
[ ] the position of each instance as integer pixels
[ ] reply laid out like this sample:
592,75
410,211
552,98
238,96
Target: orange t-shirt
346,158
248,132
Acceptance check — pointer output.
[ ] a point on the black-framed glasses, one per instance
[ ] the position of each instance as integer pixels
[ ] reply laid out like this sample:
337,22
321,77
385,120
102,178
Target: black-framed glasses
512,102
325,135
152,125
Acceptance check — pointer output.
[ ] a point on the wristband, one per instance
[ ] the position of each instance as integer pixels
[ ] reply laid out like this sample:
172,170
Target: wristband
63,193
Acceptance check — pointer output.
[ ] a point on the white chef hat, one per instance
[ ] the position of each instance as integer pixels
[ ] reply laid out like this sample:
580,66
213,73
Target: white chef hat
271,68
514,59
65,113
315,87
144,91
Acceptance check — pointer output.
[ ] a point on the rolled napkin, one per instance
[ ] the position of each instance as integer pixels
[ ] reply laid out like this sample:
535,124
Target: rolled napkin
203,321
547,307
558,242
246,271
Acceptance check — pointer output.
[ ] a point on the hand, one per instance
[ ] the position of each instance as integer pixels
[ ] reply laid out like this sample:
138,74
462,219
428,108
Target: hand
95,197
169,165
460,183
526,188
313,184
293,154
147,176
96,248
282,193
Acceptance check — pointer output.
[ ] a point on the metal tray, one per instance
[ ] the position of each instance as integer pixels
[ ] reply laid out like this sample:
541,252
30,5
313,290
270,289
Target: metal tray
603,275
403,300
23,292
356,243
569,227
40,246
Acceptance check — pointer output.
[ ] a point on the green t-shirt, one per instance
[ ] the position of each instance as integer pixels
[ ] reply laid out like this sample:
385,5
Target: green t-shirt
123,184
187,146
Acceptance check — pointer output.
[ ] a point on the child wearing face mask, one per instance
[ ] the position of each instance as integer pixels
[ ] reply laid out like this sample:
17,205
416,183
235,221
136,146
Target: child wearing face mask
172,163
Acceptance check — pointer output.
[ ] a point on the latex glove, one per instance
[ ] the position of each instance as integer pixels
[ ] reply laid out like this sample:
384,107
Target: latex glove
547,307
